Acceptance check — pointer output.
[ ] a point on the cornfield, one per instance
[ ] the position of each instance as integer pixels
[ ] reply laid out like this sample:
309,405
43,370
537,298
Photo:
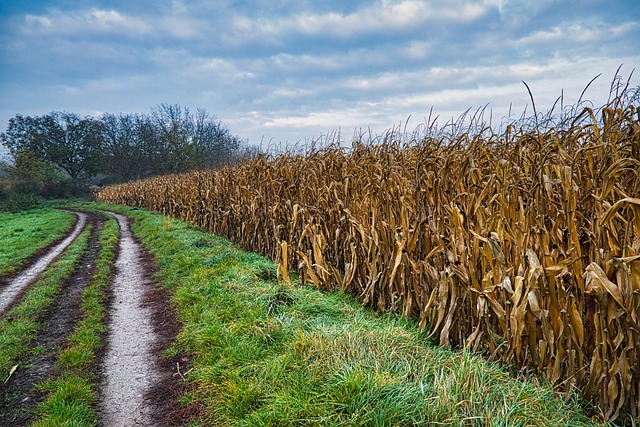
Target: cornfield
523,243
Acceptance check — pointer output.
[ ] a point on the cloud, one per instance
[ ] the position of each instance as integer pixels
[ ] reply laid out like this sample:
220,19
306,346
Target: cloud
579,33
390,99
110,22
92,21
382,17
294,69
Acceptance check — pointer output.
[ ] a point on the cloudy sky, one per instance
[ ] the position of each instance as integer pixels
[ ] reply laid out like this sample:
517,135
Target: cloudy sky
294,70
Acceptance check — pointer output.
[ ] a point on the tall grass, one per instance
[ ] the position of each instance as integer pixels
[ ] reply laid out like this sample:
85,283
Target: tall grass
522,243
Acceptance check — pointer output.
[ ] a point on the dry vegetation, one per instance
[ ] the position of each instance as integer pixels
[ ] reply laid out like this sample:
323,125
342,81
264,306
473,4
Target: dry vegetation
522,243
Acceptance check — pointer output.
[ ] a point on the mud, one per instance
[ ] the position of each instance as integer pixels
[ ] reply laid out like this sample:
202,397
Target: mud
21,282
18,398
129,365
164,394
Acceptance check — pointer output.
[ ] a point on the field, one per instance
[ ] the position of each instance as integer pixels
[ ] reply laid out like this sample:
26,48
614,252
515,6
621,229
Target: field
249,350
522,244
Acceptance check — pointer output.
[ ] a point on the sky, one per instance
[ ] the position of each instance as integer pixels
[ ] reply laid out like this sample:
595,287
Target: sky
281,71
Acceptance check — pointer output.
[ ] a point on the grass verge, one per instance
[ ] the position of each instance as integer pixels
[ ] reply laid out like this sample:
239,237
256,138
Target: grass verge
23,233
264,354
20,325
71,395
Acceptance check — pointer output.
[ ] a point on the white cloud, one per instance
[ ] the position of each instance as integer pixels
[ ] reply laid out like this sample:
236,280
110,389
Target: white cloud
92,21
114,23
518,13
584,33
391,98
418,49
340,61
181,27
382,17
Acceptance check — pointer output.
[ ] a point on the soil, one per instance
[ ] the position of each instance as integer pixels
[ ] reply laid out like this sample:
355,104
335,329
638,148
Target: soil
18,398
17,286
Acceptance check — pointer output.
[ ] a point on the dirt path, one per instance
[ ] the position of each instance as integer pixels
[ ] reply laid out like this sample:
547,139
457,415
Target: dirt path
18,397
129,367
17,285
138,386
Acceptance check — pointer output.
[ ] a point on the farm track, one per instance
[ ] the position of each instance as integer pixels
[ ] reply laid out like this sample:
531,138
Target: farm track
19,397
129,368
136,385
16,286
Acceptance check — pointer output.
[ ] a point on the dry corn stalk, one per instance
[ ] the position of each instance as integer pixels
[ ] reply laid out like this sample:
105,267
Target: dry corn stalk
525,245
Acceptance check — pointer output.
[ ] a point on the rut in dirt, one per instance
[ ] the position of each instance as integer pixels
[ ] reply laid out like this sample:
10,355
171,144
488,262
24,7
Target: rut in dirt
129,365
21,282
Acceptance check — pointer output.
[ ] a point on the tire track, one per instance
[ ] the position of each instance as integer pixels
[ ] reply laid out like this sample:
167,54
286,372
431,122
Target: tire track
16,286
129,367
18,397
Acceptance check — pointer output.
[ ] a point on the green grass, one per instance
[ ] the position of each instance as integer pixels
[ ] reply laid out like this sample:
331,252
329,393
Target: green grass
71,395
69,403
263,354
23,233
20,325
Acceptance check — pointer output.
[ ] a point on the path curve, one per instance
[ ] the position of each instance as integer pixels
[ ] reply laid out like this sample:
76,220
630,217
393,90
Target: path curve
28,276
129,368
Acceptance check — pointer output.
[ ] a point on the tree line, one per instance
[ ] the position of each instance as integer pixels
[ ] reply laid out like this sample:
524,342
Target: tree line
61,153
